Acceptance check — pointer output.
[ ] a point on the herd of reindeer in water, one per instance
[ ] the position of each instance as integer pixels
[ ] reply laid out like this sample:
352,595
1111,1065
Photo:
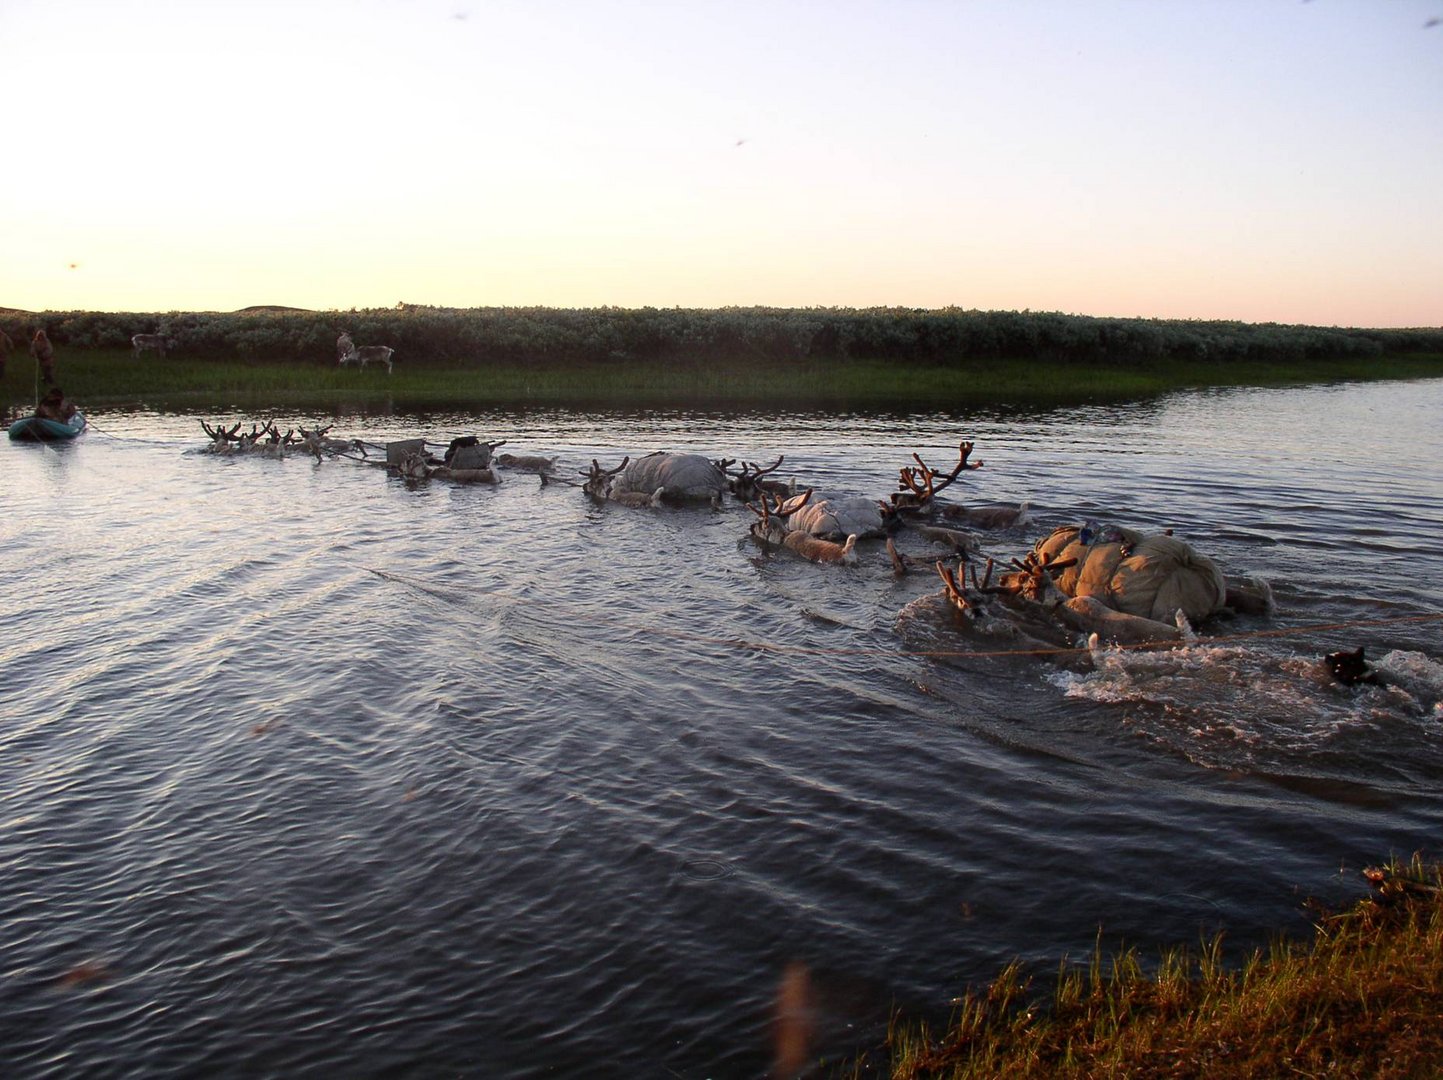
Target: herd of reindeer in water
1077,587
1078,584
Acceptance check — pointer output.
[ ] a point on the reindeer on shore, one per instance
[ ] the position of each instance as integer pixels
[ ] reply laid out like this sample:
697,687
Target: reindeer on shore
368,354
159,342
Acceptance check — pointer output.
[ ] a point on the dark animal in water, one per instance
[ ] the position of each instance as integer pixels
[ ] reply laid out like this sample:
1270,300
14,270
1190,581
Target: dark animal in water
1350,668
470,454
457,444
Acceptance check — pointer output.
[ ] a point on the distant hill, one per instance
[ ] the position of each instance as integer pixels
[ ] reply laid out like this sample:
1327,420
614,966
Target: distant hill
269,307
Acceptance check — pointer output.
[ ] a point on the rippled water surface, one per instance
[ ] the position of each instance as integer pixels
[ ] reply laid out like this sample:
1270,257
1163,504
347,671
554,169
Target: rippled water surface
311,772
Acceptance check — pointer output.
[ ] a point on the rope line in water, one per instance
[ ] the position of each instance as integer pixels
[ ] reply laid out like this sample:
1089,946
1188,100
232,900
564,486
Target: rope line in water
808,650
815,650
91,426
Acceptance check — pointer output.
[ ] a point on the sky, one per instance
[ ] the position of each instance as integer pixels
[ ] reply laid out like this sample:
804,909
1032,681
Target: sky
1259,160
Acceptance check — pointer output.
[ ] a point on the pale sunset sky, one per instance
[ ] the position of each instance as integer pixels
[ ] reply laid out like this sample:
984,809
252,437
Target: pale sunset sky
1262,160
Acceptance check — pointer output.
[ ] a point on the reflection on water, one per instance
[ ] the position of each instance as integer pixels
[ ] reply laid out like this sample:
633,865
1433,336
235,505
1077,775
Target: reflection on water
309,769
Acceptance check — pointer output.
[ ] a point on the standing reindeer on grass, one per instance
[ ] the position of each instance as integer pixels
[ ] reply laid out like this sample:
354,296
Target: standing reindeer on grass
159,342
347,352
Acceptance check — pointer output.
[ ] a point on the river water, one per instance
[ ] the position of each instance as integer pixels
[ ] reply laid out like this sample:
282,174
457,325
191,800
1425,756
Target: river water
308,771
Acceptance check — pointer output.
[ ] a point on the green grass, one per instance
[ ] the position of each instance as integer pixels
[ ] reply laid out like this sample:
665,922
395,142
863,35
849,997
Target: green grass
1362,999
112,377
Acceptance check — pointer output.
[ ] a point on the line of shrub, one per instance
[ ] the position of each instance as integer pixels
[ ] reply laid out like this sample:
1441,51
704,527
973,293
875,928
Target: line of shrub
470,337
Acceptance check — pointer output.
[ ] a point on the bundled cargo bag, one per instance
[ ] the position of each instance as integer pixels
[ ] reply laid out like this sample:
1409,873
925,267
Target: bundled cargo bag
1152,576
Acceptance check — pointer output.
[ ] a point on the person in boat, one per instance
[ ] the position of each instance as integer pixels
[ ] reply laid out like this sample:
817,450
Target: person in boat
55,406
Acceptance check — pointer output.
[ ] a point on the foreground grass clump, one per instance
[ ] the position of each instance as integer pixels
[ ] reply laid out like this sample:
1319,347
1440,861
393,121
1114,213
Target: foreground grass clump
1363,999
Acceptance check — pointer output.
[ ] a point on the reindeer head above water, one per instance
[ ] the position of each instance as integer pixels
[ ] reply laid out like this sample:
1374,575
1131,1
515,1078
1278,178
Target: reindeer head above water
1350,667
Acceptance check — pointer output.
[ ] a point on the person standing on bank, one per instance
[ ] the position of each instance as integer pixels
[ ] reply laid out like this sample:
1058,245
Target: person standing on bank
44,354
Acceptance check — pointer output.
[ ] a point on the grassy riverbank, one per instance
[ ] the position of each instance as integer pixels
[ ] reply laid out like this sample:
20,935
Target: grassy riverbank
1362,999
112,377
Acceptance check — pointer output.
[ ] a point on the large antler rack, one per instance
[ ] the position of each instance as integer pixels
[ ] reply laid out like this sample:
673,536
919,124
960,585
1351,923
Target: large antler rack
274,435
919,485
595,484
748,483
1033,574
219,433
955,591
781,507
1029,578
596,471
772,516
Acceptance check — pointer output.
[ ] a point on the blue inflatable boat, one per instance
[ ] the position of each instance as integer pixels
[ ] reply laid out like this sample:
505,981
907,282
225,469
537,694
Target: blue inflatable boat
39,429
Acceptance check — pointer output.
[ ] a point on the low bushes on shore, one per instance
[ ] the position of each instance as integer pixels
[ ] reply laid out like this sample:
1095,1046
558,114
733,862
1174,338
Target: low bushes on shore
466,337
112,377
98,377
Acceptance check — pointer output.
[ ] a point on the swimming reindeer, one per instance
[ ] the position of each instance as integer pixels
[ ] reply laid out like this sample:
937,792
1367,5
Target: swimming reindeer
836,519
676,477
771,527
686,477
542,466
222,440
753,479
317,441
600,486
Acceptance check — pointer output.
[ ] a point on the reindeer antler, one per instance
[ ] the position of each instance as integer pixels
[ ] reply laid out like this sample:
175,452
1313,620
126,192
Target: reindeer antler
1034,573
758,471
747,482
986,578
953,591
792,505
596,471
920,485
